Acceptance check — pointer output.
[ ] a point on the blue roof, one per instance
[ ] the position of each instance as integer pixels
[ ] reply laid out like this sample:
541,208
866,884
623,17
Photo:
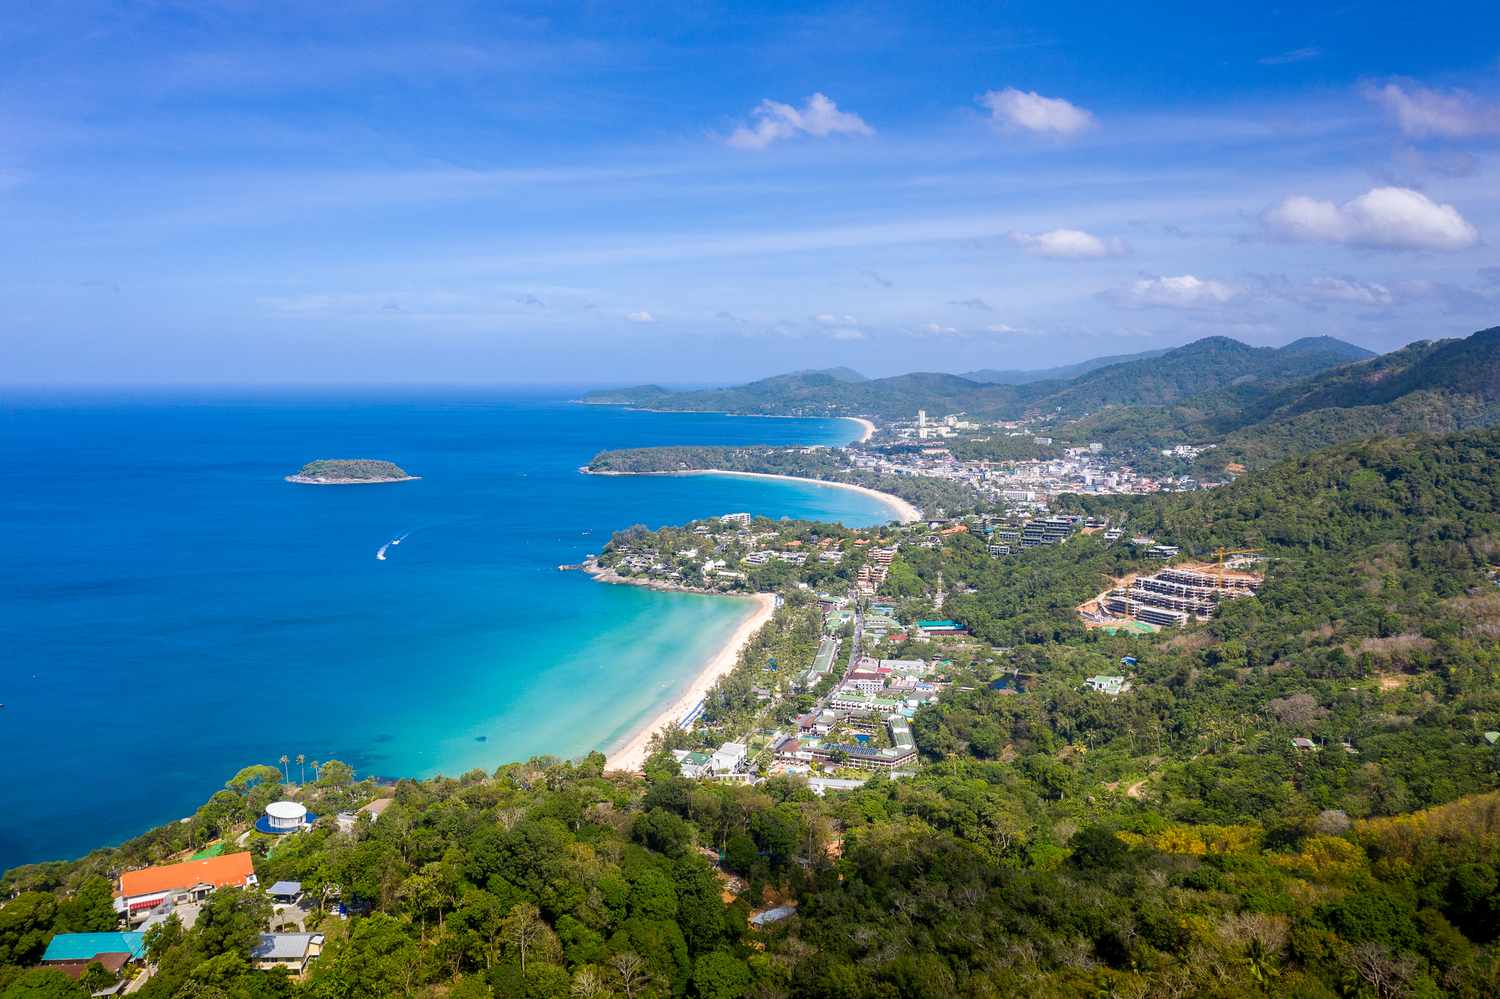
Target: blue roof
87,946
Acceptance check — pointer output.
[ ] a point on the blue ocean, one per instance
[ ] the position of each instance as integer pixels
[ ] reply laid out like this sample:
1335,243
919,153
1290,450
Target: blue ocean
172,610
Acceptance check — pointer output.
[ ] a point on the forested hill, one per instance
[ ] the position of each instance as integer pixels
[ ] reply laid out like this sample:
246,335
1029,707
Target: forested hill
1426,387
1062,373
1175,374
1056,842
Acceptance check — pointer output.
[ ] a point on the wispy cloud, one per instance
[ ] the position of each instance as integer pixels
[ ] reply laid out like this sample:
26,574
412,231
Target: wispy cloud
774,121
1029,110
1390,218
878,278
640,316
973,303
1290,56
1423,112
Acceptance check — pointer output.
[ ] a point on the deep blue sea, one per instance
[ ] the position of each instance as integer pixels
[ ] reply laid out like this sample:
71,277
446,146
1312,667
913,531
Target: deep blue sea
172,610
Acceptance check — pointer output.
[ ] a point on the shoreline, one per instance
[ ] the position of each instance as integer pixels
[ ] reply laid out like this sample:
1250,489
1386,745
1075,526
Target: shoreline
867,427
303,480
629,753
905,513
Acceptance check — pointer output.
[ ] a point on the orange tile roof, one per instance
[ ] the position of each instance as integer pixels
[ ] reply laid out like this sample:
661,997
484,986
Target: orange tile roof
225,869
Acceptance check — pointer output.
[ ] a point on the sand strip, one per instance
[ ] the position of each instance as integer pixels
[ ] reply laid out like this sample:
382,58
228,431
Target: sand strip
631,754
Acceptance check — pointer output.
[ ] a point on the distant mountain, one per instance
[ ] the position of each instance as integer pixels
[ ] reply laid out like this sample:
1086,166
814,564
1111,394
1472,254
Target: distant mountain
1150,379
1431,386
635,395
1215,362
993,376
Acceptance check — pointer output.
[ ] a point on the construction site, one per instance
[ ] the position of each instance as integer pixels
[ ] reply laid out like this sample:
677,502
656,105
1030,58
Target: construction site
1174,596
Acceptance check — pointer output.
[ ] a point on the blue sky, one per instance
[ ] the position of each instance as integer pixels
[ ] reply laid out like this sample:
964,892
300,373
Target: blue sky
262,192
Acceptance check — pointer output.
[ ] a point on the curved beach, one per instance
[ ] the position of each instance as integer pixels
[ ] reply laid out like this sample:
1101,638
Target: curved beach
867,428
631,753
904,511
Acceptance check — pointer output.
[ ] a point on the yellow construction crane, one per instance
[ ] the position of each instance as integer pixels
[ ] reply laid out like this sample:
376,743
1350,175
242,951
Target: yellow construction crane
1220,554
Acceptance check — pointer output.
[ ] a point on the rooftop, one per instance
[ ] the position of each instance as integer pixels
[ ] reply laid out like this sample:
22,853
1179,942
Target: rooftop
87,946
225,869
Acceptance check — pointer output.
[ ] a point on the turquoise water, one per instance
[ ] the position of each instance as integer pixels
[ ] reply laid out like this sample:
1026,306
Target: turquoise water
171,610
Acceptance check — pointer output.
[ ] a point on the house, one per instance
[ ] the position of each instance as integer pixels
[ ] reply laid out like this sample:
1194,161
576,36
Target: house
1304,744
285,892
72,953
293,951
192,880
729,758
931,628
1114,686
692,764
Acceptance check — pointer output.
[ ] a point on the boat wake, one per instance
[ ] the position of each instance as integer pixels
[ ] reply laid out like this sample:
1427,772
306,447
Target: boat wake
389,544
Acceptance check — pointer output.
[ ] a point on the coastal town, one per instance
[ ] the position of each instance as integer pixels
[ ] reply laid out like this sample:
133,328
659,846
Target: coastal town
838,708
1021,464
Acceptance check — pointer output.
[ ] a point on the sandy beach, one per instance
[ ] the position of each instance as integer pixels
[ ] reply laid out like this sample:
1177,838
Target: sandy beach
904,511
631,754
867,429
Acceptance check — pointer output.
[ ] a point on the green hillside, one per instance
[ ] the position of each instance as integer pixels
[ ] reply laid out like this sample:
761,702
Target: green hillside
1139,380
1056,842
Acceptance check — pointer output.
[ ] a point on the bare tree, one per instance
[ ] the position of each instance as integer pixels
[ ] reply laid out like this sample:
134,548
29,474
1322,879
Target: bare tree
522,926
1388,975
631,969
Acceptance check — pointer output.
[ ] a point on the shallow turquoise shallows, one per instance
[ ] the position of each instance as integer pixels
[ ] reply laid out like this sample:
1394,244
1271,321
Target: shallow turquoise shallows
172,610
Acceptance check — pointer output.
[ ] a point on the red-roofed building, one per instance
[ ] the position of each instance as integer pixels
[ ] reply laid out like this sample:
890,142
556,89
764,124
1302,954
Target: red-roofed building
192,880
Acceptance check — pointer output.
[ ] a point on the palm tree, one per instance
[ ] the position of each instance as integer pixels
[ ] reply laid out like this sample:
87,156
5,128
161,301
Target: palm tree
315,765
302,762
284,761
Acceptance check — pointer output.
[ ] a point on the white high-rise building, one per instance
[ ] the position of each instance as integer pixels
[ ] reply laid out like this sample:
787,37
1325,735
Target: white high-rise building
922,424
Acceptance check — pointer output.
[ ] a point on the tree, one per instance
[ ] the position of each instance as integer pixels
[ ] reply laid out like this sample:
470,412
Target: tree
335,773
44,983
285,772
632,972
25,925
89,910
522,926
302,763
231,921
719,975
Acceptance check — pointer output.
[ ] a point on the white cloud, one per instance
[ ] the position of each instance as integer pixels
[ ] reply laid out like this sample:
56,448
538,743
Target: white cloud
640,317
829,319
1395,218
939,328
1003,328
1029,110
1185,291
1068,244
848,333
1420,111
775,121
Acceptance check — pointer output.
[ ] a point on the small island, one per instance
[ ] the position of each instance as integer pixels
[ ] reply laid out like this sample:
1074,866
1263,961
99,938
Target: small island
350,472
